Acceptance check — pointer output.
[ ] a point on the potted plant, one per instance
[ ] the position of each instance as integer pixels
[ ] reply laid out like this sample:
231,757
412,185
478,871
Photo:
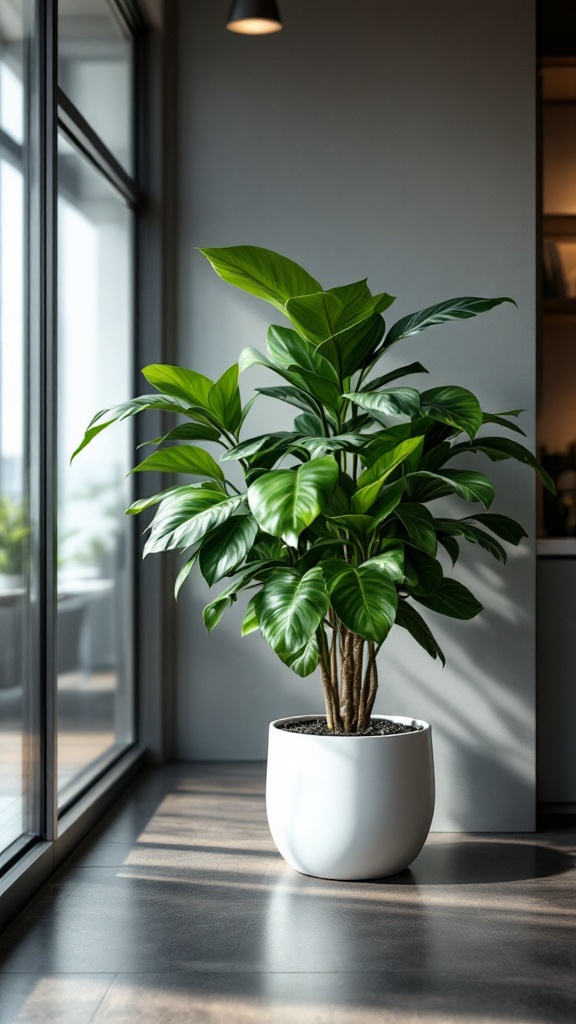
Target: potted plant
328,528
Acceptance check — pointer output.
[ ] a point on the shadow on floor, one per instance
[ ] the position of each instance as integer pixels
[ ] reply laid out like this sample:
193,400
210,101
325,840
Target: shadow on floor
462,862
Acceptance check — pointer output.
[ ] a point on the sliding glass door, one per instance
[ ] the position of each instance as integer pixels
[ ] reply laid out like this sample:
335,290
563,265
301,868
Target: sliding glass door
68,211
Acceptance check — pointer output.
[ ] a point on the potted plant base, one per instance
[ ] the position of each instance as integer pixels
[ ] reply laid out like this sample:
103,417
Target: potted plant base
350,807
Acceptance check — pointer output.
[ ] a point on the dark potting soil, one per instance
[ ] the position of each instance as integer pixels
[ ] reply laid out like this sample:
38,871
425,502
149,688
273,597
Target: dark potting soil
378,727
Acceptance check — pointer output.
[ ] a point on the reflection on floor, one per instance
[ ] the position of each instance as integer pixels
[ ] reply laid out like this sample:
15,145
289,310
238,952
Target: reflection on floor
179,911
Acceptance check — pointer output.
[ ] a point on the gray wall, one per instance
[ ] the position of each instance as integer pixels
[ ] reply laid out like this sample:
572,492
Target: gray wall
397,140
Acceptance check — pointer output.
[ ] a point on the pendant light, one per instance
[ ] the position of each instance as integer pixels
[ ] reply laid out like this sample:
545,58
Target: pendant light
254,17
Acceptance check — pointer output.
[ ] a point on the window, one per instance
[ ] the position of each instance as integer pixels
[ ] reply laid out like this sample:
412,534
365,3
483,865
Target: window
68,293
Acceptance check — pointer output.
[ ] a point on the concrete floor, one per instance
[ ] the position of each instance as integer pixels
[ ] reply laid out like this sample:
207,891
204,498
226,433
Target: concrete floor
179,911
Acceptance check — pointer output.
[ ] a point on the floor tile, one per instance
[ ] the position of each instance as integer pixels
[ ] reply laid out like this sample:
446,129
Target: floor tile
343,998
51,999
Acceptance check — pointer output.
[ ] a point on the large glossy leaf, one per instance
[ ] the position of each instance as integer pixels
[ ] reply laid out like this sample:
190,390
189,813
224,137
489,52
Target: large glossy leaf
339,442
391,401
322,315
455,406
418,522
103,419
503,526
320,387
498,448
390,562
285,501
251,620
371,480
382,301
453,599
226,547
224,400
183,520
473,534
154,499
467,485
193,388
352,349
304,661
410,619
182,459
291,608
390,497
288,350
261,272
452,309
423,573
364,600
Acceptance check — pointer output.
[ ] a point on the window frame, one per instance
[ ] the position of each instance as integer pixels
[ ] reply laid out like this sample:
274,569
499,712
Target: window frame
29,861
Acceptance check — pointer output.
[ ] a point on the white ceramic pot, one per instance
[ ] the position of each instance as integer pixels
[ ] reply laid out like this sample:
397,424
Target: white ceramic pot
350,807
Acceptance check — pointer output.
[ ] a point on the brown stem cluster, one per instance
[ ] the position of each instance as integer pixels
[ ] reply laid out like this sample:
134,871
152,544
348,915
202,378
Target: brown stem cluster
349,677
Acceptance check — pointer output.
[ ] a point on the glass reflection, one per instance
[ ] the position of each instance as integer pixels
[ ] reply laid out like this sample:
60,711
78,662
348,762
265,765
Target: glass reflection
94,625
14,527
95,71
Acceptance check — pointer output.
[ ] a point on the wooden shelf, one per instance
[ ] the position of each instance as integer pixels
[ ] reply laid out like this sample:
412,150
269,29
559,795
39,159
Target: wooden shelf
560,225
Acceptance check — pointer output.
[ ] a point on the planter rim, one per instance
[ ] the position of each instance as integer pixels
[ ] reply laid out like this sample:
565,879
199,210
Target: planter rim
402,719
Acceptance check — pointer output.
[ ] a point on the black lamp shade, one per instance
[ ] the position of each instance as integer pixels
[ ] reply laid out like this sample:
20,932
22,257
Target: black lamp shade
254,17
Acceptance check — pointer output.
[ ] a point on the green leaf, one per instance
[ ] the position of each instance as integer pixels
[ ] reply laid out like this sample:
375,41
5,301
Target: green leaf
451,546
390,497
357,303
214,611
360,524
473,534
387,378
467,485
184,573
392,401
418,522
154,499
293,396
364,600
352,349
309,424
251,620
183,520
163,403
322,389
390,562
289,351
226,547
503,526
453,599
304,661
499,448
371,480
261,272
285,501
262,443
187,432
501,419
382,301
423,573
452,309
339,442
291,609
454,406
193,388
181,459
410,619
315,316
224,400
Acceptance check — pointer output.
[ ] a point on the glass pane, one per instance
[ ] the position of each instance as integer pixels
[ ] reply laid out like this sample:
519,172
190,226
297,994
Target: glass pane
94,622
14,526
95,71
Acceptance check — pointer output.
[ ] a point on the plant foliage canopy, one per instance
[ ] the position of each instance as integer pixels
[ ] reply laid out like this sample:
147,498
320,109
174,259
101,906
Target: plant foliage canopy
328,526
